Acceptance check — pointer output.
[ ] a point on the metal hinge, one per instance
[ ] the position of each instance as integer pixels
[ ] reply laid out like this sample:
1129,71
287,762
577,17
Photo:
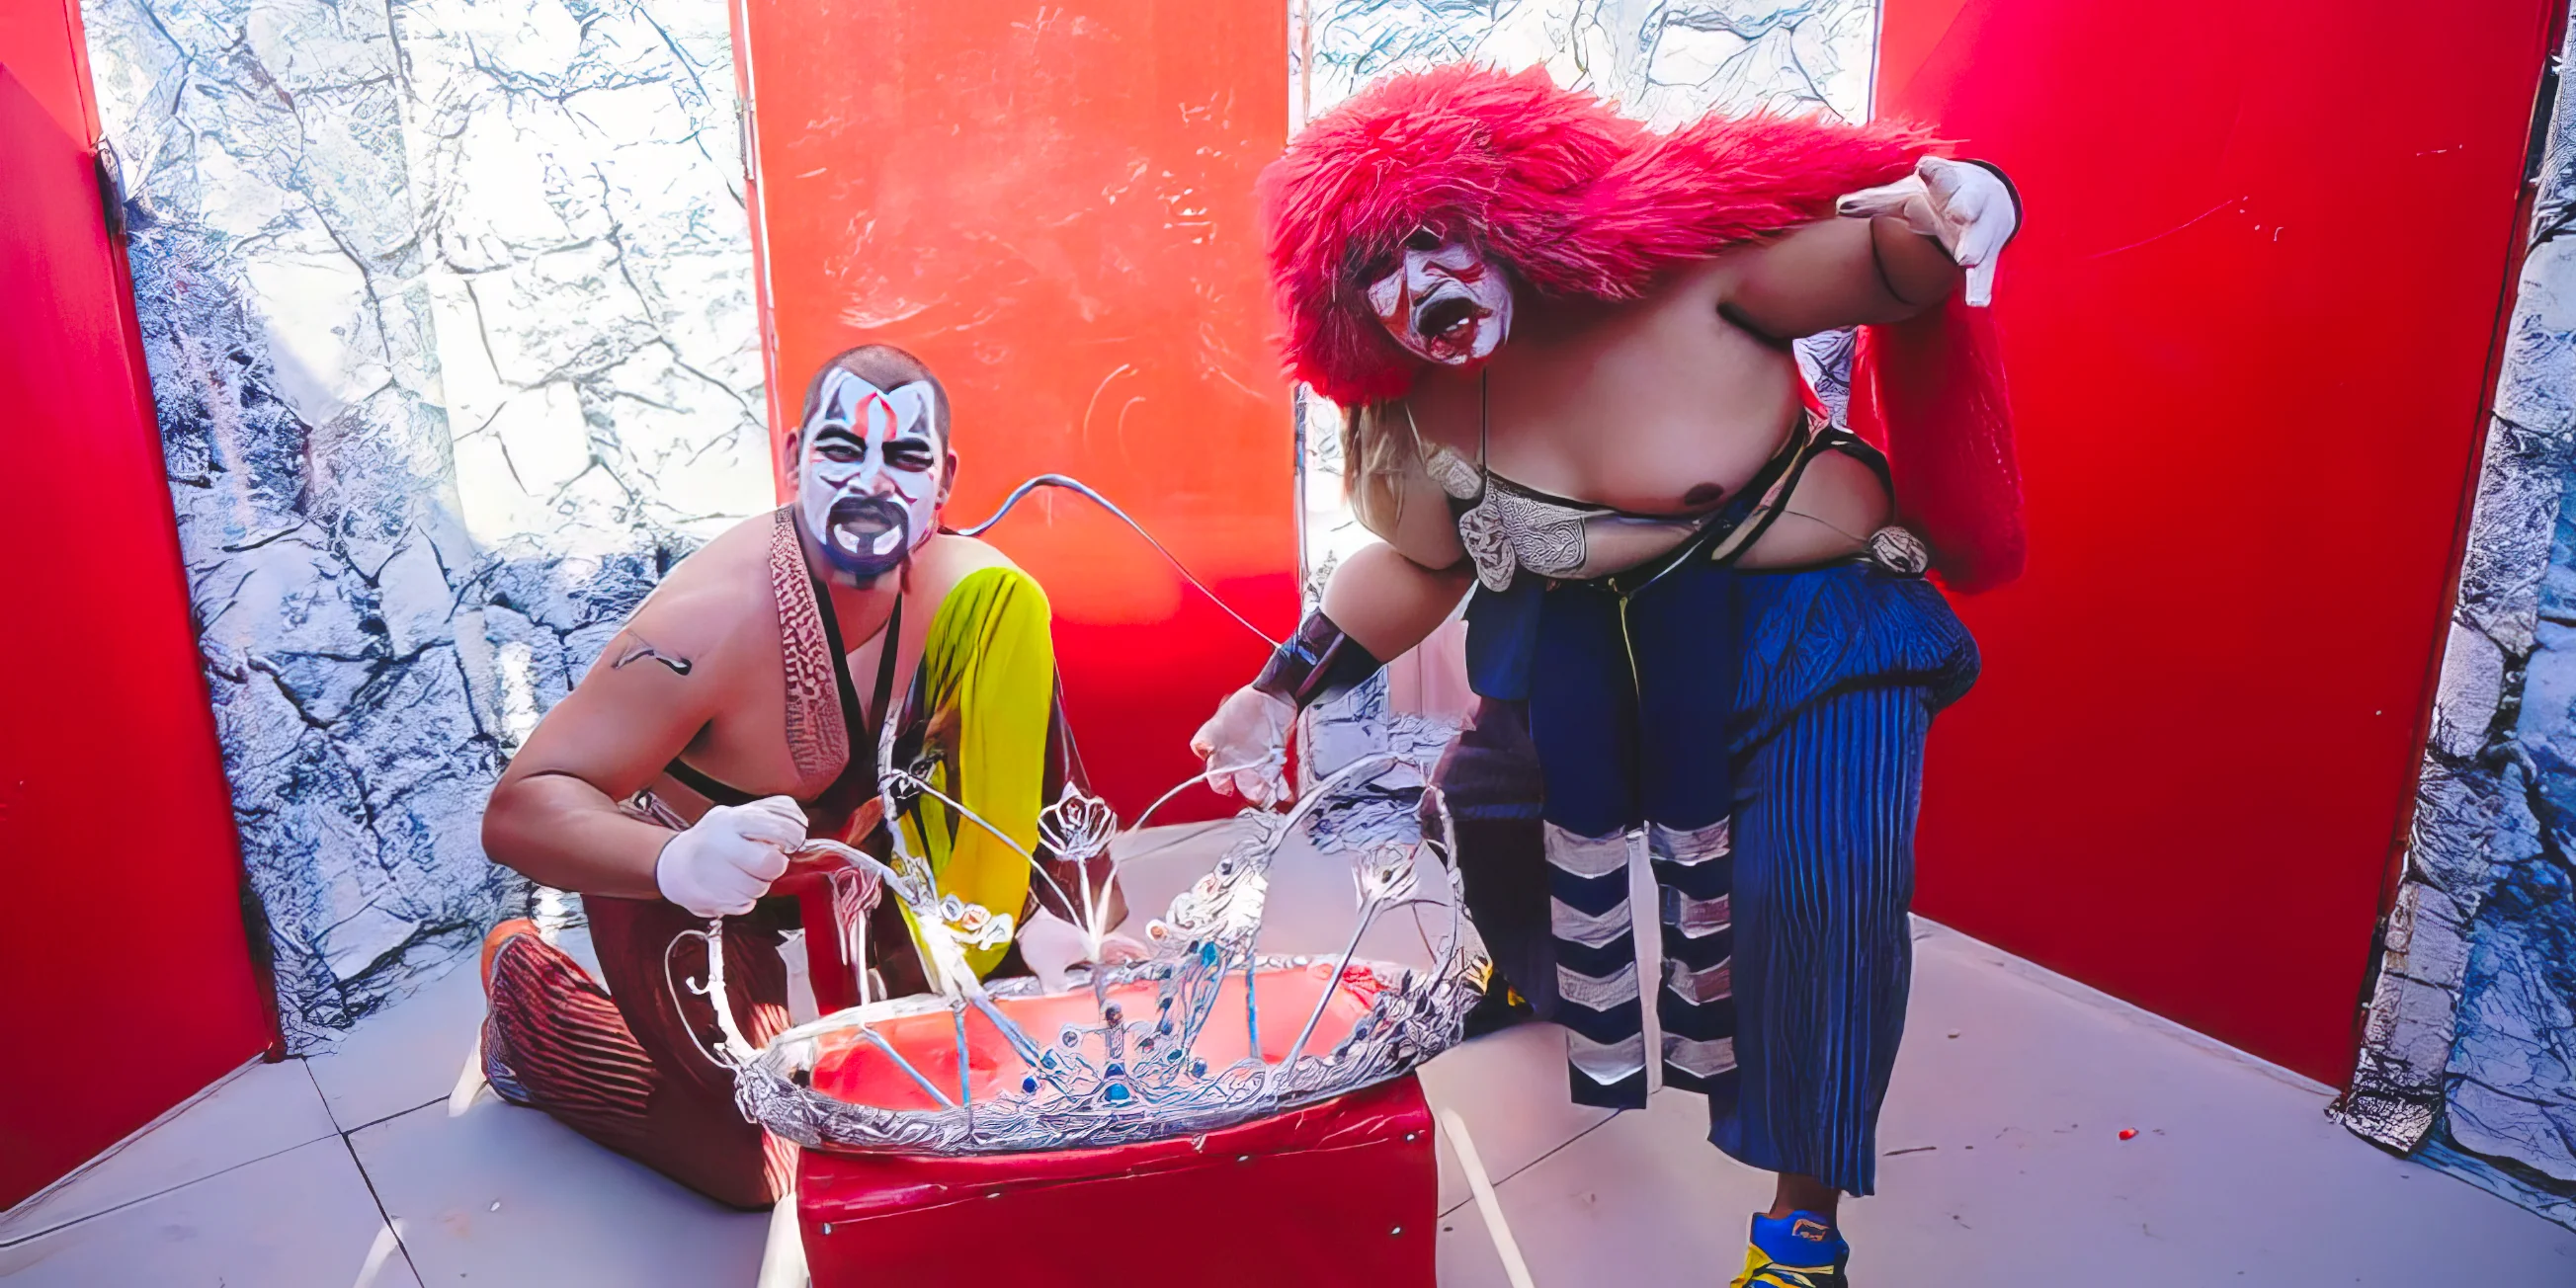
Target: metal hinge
111,189
2544,113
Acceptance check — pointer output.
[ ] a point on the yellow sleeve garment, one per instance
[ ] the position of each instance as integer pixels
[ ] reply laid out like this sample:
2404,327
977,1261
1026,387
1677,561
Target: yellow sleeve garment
981,702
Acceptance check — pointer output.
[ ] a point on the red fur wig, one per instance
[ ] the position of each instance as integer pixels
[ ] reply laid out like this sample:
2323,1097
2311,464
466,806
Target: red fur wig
1582,202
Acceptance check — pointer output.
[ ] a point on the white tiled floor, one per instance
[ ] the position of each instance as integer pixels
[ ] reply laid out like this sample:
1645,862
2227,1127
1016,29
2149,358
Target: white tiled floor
2005,1168
383,1069
265,1109
2004,1165
298,1218
504,1195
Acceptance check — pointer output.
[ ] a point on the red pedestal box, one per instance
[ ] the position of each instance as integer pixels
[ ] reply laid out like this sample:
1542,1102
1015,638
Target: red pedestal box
1344,1192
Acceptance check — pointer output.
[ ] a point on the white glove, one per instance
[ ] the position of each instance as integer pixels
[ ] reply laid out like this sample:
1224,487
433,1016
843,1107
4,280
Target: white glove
1248,738
1052,945
1967,208
727,858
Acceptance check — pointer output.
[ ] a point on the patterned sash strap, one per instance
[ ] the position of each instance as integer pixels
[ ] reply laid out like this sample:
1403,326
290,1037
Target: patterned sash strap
817,740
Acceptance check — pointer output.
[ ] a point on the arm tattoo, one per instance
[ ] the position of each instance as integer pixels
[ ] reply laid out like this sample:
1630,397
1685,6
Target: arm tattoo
637,648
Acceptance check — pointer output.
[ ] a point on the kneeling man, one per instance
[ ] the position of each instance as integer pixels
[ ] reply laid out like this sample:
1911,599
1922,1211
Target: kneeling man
737,716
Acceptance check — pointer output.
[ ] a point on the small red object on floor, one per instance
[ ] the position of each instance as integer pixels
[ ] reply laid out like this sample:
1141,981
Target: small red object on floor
1345,1192
2128,1133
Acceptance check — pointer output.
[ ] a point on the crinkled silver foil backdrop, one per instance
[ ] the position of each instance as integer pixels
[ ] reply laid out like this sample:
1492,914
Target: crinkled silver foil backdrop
449,318
2469,1045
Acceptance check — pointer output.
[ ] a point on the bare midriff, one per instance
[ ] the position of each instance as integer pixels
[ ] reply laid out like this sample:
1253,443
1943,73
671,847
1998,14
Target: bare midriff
1658,406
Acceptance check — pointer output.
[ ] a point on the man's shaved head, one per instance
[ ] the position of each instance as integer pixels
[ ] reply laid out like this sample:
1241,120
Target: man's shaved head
886,367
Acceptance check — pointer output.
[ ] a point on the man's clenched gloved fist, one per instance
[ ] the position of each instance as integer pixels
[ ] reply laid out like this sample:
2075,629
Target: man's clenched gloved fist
1966,207
1051,946
726,860
1245,745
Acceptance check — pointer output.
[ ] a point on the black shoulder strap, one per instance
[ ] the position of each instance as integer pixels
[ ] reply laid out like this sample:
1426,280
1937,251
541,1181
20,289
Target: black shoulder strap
885,663
1484,417
716,793
851,718
1838,439
857,780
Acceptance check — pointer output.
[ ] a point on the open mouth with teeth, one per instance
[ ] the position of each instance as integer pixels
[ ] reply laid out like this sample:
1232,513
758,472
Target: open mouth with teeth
1447,321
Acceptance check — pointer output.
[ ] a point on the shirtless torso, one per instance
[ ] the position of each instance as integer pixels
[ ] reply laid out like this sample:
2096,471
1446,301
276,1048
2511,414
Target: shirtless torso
1667,405
698,675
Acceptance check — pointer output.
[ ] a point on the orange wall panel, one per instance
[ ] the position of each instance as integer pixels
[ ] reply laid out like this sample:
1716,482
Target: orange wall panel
1052,205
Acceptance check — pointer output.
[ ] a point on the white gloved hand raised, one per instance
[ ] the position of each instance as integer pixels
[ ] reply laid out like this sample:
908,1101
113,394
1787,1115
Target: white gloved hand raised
1967,208
727,859
1247,738
1051,945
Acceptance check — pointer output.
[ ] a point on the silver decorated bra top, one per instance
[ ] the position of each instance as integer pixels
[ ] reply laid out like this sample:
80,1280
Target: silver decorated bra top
1506,527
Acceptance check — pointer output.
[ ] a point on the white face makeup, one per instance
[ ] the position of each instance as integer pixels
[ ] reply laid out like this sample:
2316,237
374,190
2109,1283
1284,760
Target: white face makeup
1443,301
867,483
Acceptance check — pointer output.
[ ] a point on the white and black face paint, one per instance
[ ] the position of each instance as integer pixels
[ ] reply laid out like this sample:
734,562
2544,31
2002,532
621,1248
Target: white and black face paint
1443,300
867,486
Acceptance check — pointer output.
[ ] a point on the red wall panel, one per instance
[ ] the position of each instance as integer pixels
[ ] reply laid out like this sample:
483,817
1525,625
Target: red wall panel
1052,205
116,834
2248,330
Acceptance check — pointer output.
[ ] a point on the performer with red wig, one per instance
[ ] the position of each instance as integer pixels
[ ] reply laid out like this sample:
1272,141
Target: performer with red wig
1563,346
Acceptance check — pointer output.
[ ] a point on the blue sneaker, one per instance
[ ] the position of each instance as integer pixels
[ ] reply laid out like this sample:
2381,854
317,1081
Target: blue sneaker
1799,1250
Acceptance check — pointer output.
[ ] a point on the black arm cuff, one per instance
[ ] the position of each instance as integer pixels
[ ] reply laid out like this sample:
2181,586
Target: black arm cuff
2009,190
1317,664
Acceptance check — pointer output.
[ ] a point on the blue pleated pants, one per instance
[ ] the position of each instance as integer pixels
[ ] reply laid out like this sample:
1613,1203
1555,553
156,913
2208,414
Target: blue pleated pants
1792,706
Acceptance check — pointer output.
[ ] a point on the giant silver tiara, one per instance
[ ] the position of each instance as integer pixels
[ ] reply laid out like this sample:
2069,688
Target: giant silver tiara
1135,1064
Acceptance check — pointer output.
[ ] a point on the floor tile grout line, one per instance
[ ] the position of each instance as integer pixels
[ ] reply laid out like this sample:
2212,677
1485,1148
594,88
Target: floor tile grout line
1935,933
378,1122
400,1244
31,1236
1505,1179
324,1096
163,1119
1501,1181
